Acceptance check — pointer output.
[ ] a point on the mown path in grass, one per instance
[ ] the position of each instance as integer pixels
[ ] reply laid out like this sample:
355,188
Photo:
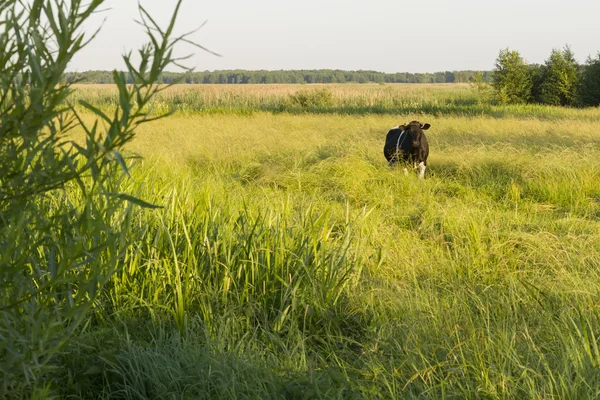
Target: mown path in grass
289,261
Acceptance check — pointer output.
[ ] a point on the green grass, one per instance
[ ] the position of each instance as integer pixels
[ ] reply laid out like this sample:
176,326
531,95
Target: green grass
392,99
289,261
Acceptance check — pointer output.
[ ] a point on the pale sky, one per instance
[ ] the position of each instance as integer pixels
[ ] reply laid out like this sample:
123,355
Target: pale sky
381,35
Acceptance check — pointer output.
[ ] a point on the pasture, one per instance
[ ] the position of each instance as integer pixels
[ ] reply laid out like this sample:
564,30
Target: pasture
289,261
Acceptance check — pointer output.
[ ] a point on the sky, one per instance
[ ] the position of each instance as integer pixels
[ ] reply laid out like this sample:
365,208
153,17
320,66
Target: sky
381,35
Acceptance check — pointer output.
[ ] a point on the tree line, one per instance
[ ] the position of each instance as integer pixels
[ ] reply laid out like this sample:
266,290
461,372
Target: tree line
560,81
291,76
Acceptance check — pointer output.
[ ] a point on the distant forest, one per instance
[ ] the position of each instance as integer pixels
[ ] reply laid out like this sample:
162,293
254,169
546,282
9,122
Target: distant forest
294,76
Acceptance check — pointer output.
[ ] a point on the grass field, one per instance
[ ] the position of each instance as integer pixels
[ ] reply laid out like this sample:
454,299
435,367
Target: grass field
289,261
347,99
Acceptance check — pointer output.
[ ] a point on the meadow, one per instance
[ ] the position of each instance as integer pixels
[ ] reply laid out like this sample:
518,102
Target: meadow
289,261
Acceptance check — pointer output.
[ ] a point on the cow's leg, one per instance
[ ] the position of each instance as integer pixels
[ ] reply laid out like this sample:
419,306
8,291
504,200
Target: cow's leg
422,169
405,171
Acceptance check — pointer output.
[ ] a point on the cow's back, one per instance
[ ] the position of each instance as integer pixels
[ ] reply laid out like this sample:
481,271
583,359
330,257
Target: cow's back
394,142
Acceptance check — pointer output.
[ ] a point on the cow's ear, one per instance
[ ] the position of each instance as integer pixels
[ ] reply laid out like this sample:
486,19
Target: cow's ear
402,127
425,127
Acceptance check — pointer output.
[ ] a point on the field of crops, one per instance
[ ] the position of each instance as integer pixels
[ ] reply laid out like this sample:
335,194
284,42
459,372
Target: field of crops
289,261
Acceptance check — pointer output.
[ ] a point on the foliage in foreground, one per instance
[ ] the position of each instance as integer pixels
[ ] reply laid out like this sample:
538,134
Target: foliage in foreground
62,217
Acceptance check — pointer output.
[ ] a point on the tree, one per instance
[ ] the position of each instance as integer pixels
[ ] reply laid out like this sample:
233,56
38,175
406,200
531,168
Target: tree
590,82
536,73
62,217
460,76
209,78
511,79
560,79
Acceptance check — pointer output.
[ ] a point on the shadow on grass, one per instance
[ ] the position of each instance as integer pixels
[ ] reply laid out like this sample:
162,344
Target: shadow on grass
460,109
141,359
491,178
519,141
488,173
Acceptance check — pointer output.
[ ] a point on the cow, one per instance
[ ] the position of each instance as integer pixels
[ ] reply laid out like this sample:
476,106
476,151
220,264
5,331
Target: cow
408,144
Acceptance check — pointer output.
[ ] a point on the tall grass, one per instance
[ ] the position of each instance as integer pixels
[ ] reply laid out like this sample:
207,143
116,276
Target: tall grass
288,261
436,100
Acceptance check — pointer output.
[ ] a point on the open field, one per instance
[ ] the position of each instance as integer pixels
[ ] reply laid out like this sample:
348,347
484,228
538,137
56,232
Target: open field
289,261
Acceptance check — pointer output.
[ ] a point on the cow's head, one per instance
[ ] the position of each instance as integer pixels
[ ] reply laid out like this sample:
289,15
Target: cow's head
415,130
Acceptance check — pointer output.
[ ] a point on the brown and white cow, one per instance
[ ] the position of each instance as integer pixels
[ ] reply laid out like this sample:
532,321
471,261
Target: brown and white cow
408,144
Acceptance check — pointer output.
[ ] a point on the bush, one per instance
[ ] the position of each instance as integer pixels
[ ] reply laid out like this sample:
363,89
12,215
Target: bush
311,99
55,256
480,88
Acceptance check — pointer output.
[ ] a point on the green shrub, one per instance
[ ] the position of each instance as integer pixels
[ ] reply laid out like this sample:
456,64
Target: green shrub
56,254
310,99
